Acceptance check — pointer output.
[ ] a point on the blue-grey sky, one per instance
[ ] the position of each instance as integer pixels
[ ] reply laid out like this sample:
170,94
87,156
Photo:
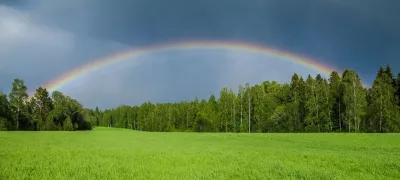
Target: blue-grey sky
42,39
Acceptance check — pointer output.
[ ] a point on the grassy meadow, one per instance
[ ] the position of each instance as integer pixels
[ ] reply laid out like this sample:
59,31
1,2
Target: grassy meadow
107,153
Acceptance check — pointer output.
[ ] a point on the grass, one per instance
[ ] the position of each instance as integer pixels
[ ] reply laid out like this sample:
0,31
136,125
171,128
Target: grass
106,153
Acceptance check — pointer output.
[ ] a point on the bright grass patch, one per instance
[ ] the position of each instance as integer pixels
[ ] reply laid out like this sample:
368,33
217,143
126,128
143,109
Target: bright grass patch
107,153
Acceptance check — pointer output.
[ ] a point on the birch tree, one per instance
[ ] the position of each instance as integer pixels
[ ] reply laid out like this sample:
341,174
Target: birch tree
18,96
354,99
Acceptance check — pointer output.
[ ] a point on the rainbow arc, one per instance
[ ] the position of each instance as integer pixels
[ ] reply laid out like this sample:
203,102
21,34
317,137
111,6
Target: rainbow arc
132,54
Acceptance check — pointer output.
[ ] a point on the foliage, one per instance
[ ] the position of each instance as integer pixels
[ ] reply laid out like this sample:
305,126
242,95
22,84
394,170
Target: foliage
316,104
40,112
5,113
18,97
337,104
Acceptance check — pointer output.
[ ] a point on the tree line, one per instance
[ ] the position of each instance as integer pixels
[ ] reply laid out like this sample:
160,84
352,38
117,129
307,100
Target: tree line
337,104
40,112
314,104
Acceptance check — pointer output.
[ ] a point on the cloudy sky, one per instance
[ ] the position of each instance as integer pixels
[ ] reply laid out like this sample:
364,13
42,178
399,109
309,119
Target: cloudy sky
43,39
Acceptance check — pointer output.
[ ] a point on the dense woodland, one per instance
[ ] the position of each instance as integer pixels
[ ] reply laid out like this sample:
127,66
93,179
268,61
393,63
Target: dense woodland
337,104
40,112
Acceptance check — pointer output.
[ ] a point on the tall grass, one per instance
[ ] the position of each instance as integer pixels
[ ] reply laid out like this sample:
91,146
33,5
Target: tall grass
106,153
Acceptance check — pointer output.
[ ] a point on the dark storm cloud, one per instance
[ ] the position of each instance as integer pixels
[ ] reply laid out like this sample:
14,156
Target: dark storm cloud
38,53
356,34
359,34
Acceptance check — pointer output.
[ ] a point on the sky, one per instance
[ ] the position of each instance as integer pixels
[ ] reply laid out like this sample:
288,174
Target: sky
42,39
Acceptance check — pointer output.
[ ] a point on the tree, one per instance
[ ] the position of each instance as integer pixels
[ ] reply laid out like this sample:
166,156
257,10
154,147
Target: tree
233,102
397,89
383,102
64,108
242,101
354,100
212,112
224,102
58,114
68,125
258,95
311,105
295,92
277,116
41,112
388,72
249,99
42,105
325,107
335,100
314,105
273,96
5,113
202,124
18,97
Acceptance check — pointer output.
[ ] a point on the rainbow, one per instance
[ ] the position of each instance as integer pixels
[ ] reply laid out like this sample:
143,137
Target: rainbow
223,45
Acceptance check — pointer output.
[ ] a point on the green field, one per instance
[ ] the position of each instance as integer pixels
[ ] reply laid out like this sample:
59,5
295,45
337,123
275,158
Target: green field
106,153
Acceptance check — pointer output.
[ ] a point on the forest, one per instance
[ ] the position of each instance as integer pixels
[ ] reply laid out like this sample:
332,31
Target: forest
312,104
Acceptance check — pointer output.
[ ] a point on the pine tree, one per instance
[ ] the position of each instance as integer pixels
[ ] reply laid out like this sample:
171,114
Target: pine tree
388,72
311,105
397,89
212,111
335,97
383,102
325,107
